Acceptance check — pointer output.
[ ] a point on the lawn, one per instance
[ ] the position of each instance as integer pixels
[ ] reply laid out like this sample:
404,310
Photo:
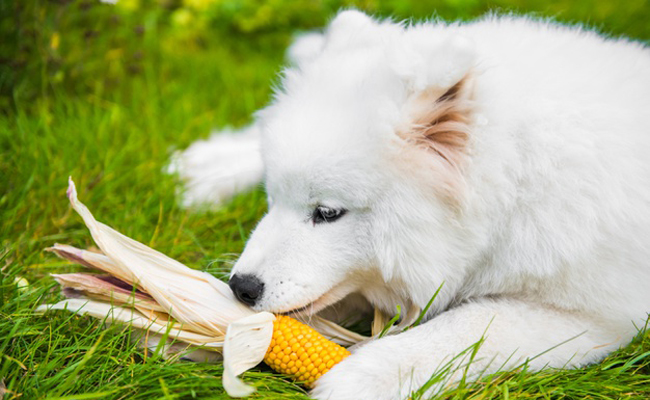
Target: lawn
104,93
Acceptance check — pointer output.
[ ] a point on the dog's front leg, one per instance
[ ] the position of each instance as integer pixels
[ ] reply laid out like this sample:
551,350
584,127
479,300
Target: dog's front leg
513,331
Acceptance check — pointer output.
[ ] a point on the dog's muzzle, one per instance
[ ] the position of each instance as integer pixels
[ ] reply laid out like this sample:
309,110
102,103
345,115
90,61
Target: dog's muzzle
247,288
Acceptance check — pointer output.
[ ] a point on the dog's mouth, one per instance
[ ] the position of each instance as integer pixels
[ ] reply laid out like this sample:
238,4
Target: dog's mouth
300,310
310,308
323,301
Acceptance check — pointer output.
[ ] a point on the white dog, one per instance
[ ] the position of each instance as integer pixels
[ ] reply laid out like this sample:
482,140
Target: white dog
506,159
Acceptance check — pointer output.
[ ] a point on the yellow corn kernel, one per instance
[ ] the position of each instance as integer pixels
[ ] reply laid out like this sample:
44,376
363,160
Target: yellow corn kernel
300,351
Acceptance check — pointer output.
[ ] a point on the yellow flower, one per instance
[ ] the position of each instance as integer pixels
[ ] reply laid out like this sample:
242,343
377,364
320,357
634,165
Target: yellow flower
182,17
55,41
199,5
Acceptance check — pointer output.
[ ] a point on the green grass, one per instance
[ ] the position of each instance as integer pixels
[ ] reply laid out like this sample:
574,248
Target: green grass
106,102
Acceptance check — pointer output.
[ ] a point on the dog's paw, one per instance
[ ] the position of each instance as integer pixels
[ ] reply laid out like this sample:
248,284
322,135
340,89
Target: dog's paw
350,380
214,170
375,371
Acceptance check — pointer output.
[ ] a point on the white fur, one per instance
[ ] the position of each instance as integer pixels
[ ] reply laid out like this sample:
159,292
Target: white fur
548,238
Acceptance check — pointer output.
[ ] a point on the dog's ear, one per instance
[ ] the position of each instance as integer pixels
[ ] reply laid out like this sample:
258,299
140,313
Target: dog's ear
439,82
426,60
440,120
305,48
351,29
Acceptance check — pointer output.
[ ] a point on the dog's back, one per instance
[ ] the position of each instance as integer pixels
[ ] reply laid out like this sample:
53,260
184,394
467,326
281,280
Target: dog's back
563,157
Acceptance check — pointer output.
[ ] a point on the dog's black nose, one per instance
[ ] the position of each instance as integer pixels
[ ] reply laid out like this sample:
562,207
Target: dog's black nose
247,288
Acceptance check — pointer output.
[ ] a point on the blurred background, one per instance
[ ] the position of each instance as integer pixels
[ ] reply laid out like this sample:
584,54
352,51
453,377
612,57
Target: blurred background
105,91
111,48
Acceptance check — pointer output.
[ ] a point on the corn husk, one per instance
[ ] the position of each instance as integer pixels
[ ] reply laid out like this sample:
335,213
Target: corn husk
251,336
188,295
167,300
106,288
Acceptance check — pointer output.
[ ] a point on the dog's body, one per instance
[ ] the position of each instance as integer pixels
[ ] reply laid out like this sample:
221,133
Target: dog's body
505,159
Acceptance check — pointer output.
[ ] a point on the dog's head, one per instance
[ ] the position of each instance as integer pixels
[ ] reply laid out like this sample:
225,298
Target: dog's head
364,150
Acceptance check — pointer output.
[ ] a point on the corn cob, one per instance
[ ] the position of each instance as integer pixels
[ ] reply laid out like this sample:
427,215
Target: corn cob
300,351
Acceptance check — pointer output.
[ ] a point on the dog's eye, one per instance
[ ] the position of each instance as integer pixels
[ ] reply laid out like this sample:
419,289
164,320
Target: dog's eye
325,214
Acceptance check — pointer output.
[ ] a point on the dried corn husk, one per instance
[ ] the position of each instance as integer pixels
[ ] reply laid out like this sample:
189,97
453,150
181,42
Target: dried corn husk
150,323
163,297
188,295
106,288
